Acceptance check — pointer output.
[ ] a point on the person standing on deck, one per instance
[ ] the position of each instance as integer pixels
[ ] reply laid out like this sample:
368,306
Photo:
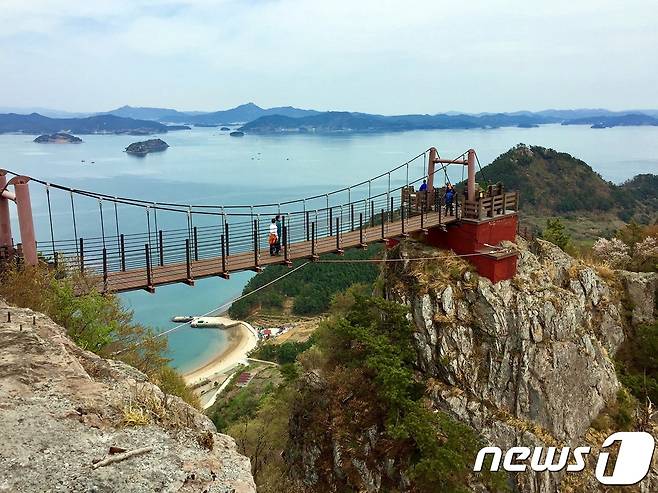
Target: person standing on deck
449,196
279,234
273,237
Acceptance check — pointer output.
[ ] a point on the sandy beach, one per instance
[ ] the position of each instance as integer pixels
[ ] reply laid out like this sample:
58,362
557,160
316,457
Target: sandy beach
241,339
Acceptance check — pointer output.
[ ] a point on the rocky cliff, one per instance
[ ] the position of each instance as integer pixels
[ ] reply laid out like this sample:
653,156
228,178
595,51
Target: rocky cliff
70,420
524,362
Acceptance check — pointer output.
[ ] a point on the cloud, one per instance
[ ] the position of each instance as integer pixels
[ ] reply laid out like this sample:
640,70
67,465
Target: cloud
381,56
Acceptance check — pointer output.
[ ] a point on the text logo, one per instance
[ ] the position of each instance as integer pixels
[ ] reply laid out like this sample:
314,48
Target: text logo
630,466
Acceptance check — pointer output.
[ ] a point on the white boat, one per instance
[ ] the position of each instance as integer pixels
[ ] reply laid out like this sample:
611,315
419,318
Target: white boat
213,322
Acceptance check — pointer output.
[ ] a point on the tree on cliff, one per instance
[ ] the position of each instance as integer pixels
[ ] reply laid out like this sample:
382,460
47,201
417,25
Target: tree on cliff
556,233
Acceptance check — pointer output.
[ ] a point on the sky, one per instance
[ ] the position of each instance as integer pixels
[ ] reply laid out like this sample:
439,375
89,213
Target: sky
376,56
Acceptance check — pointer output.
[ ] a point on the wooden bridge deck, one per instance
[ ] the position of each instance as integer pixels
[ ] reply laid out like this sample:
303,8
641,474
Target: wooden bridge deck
135,279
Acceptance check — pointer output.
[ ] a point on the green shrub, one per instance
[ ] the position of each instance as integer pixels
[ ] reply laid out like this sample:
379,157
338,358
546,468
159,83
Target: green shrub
637,363
375,337
285,353
556,233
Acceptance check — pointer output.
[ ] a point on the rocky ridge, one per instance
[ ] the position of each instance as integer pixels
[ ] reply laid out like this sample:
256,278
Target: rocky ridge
527,361
524,362
63,408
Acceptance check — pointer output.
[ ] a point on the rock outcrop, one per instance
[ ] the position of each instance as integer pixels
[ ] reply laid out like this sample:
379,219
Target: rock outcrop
64,409
524,362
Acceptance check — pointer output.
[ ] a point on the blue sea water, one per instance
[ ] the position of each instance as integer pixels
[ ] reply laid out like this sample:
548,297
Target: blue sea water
207,166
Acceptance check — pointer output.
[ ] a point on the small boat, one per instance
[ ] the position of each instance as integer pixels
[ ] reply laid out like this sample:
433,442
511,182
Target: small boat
213,322
237,133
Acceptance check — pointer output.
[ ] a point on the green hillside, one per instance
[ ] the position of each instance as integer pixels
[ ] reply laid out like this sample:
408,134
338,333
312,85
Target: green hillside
310,289
555,183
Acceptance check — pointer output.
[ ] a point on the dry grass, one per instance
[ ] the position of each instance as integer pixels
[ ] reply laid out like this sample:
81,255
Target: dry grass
443,266
135,416
144,405
526,425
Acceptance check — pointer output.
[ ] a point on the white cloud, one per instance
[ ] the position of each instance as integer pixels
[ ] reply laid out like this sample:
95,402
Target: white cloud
382,56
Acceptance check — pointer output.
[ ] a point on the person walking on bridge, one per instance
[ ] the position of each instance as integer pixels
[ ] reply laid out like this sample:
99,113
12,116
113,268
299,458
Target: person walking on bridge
273,237
279,234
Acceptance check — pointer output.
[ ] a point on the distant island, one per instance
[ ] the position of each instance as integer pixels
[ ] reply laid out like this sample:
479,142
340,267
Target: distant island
58,138
609,121
35,123
346,122
147,146
288,119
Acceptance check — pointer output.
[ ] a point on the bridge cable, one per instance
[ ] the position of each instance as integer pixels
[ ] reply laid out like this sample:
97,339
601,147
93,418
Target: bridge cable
100,207
75,227
144,203
319,261
155,218
116,222
384,260
480,166
216,309
148,226
50,218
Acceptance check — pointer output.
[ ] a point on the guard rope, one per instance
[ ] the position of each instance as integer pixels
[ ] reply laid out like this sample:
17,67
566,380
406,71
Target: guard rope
218,308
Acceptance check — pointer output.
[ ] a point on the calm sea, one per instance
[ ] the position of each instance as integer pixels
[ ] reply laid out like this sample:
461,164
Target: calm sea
207,166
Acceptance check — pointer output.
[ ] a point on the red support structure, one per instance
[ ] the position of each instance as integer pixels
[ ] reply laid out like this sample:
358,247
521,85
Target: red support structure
434,156
473,237
5,223
25,223
471,175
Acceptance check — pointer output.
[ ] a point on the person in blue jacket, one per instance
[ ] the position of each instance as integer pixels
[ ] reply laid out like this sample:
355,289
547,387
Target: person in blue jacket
449,197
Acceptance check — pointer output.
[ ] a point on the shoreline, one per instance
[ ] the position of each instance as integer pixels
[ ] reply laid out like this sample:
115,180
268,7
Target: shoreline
241,339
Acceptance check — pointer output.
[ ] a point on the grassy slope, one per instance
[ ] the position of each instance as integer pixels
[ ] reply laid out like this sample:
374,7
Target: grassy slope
555,183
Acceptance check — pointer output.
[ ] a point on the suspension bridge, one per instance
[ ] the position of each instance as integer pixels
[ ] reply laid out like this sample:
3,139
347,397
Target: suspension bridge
215,240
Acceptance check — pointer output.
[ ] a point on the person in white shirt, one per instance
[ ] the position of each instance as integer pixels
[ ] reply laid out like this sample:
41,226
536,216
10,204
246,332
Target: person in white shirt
273,238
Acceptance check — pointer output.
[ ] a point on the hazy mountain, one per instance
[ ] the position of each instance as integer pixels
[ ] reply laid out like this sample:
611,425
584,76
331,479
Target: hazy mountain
49,112
155,114
39,124
246,113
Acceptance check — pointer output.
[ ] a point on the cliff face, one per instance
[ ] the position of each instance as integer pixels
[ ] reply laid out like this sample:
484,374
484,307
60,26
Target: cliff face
524,362
62,408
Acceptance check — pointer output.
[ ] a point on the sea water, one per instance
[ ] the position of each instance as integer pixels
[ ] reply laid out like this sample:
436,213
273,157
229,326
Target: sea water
205,165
